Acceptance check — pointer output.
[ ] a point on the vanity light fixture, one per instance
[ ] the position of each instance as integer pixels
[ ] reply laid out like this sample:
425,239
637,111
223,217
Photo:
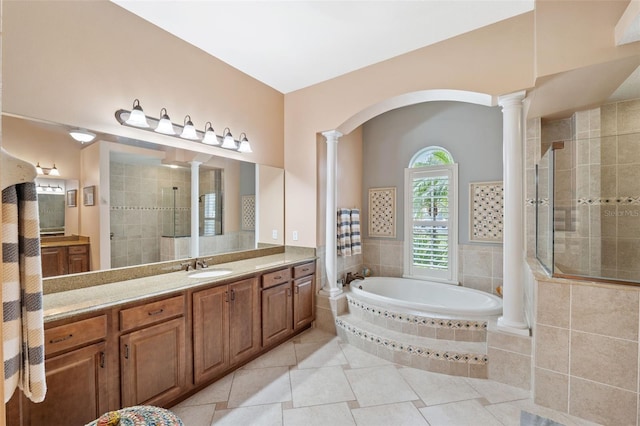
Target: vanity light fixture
227,139
210,137
53,171
244,143
82,135
164,125
188,131
136,118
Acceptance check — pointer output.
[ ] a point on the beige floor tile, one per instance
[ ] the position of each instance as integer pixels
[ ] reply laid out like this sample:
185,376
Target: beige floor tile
316,386
200,415
435,388
316,355
401,414
379,385
280,356
315,335
215,392
260,386
496,392
261,415
319,415
360,359
459,413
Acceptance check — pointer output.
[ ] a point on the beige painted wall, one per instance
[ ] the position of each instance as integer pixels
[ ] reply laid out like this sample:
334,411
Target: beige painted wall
269,204
77,62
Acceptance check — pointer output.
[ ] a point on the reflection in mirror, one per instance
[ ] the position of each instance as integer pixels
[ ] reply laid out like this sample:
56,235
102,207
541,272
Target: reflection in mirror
144,199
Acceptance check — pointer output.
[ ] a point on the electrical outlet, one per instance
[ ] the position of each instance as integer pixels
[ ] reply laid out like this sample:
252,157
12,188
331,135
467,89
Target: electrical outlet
295,235
274,234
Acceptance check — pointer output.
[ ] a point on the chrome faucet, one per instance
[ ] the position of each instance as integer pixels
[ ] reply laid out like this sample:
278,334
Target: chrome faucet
186,266
201,264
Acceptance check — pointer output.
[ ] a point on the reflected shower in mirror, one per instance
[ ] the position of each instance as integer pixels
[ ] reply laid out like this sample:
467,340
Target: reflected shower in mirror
143,196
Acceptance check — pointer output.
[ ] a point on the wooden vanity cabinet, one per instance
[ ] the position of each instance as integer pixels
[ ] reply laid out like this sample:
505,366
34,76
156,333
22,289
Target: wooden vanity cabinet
62,260
303,295
226,327
76,374
153,352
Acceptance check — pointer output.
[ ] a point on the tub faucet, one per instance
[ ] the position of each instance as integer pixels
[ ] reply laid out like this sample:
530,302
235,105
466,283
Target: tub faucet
201,264
351,277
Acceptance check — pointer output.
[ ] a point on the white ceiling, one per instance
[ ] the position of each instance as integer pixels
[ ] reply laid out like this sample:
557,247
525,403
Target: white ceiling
292,44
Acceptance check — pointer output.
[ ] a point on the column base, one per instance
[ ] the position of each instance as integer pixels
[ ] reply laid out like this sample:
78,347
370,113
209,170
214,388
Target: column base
331,293
519,328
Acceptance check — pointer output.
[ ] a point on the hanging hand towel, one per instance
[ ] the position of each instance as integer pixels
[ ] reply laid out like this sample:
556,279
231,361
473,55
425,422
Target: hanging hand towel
344,232
23,319
356,245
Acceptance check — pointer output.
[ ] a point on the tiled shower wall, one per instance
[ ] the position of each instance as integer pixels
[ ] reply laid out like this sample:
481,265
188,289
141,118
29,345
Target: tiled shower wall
586,334
142,210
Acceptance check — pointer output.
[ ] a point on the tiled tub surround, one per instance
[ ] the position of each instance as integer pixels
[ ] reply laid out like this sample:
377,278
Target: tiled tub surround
444,345
586,350
480,265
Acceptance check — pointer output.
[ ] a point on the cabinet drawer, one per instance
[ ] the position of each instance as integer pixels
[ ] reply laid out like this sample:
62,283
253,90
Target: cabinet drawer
275,278
151,313
78,249
304,270
79,333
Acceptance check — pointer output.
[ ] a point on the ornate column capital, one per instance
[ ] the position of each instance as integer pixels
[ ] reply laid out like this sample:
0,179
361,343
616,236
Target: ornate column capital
512,99
332,135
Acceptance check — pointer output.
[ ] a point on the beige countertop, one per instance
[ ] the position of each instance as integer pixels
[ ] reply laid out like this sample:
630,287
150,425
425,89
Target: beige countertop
70,303
64,243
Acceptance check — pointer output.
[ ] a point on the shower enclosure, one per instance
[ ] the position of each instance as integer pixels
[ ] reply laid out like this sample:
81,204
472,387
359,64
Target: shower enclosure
588,200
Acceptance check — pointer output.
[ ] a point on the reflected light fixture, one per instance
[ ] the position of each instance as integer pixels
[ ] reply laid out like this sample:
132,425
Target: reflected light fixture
164,125
210,137
244,144
136,116
53,171
227,139
82,135
189,131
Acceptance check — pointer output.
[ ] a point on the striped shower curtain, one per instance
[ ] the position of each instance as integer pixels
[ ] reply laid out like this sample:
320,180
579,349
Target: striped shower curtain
23,323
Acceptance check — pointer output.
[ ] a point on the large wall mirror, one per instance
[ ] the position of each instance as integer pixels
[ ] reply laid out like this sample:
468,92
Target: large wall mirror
133,200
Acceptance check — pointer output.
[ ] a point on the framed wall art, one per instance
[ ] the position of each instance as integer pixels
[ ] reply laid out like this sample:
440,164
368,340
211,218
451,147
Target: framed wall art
382,212
486,208
88,195
72,198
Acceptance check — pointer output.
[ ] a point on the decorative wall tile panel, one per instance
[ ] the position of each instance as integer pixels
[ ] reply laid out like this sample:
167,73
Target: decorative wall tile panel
382,212
487,219
248,212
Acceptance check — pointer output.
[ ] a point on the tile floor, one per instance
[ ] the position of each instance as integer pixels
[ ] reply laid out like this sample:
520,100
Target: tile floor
315,379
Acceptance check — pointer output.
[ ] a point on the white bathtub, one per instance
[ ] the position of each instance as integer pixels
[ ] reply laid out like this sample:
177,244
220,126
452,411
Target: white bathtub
427,297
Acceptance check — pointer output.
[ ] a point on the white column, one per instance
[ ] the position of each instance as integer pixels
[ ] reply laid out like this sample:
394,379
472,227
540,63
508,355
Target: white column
512,319
195,214
330,287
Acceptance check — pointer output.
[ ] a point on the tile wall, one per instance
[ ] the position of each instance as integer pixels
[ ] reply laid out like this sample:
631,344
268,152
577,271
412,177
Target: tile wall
142,210
586,350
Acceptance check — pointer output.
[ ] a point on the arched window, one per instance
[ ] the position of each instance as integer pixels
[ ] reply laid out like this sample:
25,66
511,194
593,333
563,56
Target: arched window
431,241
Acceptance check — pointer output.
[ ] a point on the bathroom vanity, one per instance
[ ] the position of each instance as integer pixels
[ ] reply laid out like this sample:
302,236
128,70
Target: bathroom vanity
158,339
64,255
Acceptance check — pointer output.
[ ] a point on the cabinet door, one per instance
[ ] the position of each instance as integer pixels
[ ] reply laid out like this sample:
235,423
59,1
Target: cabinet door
276,314
153,364
76,389
54,261
303,302
210,333
78,259
244,320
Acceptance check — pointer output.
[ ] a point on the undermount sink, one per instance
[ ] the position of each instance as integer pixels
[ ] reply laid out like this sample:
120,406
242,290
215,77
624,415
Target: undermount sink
210,273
